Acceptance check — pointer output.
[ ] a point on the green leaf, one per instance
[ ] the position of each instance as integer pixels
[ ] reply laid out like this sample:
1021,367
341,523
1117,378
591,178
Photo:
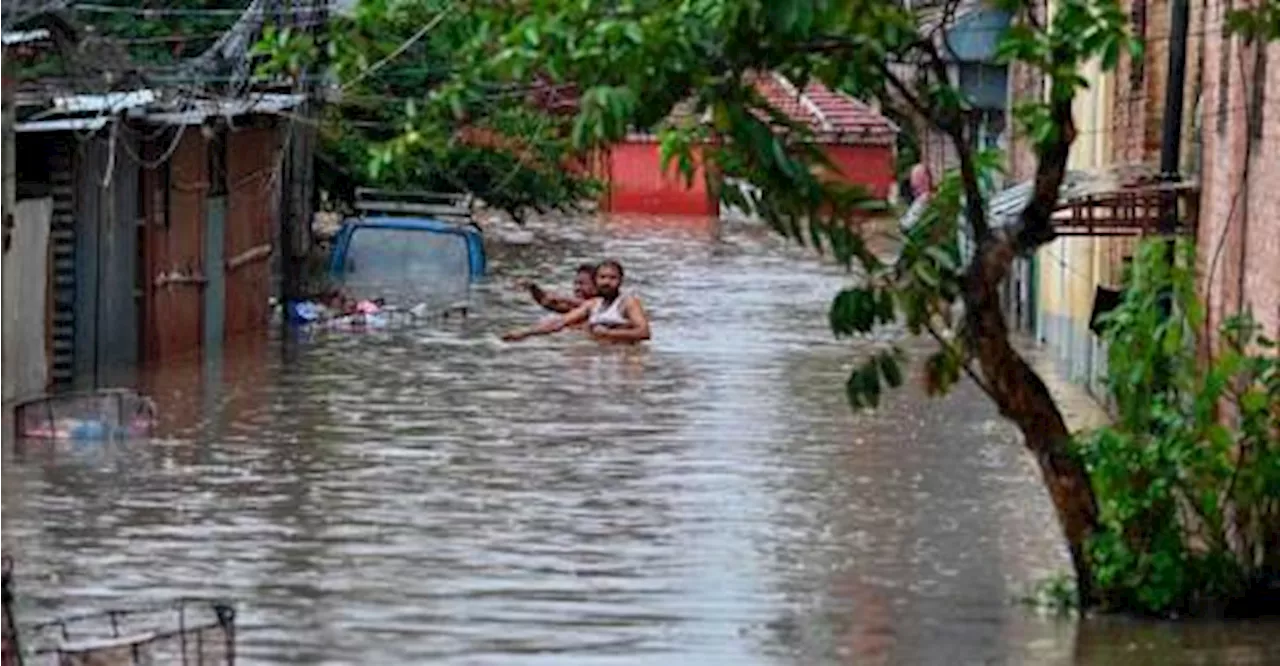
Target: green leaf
885,311
942,371
890,369
863,386
927,274
1254,401
853,311
942,257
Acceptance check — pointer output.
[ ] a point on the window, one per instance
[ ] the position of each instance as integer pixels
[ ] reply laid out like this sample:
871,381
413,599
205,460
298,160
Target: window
408,265
986,86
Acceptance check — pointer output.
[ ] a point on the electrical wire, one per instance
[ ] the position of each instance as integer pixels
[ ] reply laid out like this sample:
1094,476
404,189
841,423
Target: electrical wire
206,11
404,46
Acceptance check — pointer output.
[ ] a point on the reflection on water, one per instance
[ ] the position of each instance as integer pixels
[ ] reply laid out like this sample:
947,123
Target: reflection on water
431,495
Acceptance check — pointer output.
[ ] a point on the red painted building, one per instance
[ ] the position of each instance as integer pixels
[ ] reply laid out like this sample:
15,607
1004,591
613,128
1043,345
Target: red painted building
856,137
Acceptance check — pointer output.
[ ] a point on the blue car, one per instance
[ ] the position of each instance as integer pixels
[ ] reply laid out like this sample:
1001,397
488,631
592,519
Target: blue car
406,247
415,265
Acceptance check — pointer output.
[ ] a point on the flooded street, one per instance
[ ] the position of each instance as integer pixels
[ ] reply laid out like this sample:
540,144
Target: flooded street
434,496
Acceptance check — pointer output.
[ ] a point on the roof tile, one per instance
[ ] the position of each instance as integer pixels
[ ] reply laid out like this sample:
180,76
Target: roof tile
833,117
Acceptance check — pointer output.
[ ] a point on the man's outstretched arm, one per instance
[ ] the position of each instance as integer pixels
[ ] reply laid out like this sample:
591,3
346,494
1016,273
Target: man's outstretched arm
576,316
553,302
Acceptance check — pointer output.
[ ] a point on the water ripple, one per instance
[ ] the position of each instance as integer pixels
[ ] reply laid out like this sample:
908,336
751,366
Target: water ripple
431,495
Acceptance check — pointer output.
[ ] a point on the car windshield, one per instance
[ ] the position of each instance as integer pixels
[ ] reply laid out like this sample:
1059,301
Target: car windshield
407,266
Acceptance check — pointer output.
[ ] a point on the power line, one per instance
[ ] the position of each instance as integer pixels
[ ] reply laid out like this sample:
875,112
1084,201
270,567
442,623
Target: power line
404,46
147,12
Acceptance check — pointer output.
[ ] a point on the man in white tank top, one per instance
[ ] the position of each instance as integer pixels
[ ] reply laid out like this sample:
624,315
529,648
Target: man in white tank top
611,316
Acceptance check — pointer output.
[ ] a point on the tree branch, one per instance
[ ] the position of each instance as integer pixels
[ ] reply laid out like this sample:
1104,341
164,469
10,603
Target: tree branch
974,204
1035,226
965,358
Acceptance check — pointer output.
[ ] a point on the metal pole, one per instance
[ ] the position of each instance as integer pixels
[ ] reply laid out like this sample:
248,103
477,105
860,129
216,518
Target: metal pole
1171,126
1170,147
8,195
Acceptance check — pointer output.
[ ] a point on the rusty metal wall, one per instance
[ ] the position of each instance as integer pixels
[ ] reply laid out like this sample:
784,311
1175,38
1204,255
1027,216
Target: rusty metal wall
251,226
174,241
106,312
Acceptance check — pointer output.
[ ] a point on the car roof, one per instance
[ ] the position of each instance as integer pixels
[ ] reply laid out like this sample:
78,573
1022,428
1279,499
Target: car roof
412,223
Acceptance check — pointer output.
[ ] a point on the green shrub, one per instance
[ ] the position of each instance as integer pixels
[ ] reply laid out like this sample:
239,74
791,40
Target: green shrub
1188,477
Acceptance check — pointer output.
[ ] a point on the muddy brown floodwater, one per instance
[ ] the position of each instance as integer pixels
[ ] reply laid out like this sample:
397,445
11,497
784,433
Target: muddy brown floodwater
432,496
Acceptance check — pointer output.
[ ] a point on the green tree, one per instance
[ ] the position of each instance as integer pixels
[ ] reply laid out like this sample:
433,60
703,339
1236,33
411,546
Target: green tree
631,62
381,128
635,60
161,34
1190,508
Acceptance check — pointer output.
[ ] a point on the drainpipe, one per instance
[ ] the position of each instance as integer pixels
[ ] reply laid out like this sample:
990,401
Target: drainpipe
1170,145
1171,126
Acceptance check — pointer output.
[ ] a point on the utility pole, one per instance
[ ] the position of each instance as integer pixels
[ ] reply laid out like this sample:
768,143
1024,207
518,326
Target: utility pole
299,185
8,203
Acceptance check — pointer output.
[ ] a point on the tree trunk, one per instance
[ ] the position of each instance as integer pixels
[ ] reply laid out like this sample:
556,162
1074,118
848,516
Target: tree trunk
1023,398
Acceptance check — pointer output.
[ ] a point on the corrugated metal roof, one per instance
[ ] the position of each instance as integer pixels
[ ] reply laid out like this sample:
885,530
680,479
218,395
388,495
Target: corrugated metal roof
12,37
1006,206
63,125
113,102
197,111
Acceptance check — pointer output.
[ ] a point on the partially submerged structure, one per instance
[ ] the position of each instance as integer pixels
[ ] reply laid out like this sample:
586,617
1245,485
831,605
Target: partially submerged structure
147,212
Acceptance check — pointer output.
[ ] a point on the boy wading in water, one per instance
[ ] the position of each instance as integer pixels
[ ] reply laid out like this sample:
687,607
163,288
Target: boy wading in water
584,288
610,315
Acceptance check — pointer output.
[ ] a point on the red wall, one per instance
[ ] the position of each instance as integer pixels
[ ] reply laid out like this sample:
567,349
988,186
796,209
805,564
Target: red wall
637,184
870,166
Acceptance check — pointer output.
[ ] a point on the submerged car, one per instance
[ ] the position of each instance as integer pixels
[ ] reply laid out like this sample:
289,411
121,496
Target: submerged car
386,251
97,415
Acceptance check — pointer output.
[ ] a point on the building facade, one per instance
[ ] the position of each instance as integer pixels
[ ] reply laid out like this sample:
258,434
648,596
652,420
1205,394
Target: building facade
1118,120
856,138
1238,241
161,227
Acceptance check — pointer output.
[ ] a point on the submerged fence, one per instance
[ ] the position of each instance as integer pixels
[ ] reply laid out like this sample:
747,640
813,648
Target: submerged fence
186,632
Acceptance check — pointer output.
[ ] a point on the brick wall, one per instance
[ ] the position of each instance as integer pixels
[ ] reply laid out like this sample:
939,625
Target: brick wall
1138,101
937,151
1139,89
1238,239
1025,84
1137,95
